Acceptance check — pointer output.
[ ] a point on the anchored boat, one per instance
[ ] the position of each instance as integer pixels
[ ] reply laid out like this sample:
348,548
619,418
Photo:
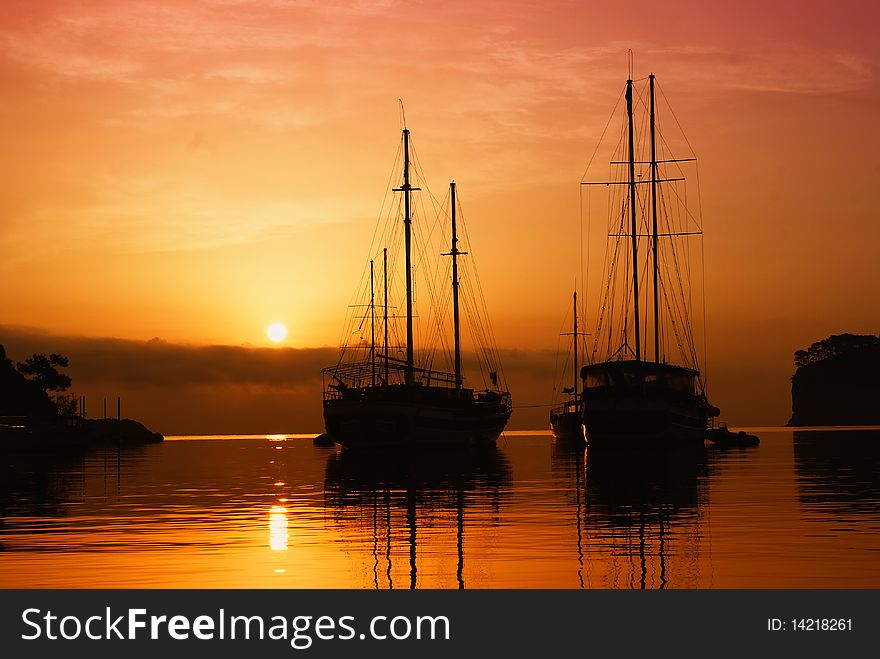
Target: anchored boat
567,419
628,394
373,398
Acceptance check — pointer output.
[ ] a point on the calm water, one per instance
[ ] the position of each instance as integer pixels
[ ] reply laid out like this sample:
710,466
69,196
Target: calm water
800,510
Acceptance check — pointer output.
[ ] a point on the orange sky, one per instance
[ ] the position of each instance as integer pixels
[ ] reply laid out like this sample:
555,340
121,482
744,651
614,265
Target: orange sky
197,170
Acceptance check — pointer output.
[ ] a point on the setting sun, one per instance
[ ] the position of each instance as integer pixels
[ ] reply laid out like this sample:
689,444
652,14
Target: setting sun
276,332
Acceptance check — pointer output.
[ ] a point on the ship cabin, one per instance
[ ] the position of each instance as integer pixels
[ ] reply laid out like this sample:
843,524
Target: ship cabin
638,377
367,381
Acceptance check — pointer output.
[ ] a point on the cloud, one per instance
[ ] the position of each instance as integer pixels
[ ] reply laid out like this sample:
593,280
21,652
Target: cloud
177,217
179,388
157,363
770,67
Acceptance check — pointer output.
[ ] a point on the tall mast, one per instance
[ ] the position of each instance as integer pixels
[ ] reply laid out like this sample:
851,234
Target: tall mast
454,253
654,225
385,313
407,189
372,326
632,207
576,374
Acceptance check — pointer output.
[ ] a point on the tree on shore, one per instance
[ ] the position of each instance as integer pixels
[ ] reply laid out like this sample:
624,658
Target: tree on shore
838,344
21,396
43,371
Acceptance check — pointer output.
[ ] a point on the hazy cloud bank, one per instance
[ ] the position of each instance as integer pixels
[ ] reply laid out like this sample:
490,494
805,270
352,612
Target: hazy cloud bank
180,388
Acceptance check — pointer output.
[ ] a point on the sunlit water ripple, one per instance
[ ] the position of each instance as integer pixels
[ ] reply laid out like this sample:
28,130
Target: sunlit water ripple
800,510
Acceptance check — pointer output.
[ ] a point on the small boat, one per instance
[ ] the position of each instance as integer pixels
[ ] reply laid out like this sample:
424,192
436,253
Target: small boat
567,419
636,392
724,436
385,401
323,440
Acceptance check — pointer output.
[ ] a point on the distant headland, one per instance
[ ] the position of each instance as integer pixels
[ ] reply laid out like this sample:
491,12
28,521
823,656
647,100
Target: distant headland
37,414
837,382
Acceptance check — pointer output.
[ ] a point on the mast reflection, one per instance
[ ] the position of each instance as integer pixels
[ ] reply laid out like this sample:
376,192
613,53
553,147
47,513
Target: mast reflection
637,513
413,498
568,463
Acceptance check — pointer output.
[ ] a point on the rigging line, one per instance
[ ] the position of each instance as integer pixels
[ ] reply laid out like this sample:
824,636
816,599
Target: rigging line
617,213
402,115
475,330
608,269
697,221
667,151
622,138
609,297
388,191
585,269
643,284
681,311
424,246
688,330
390,218
602,136
627,295
443,218
671,247
699,195
688,269
686,306
559,375
479,331
424,186
432,335
581,237
492,346
359,288
441,337
469,271
703,286
420,250
675,331
470,317
480,336
672,112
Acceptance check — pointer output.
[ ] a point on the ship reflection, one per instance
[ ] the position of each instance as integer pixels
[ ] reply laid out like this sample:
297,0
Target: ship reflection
637,513
414,496
42,484
836,471
567,463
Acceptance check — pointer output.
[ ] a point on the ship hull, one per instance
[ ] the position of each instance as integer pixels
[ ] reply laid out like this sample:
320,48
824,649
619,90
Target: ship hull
567,426
418,417
629,402
634,420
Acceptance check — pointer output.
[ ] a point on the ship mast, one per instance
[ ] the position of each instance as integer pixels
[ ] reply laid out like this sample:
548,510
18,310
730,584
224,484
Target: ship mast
654,224
407,189
632,207
385,312
372,326
576,373
454,252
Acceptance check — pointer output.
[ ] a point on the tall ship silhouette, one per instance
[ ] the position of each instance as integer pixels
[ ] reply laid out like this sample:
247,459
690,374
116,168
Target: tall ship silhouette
643,380
567,418
382,391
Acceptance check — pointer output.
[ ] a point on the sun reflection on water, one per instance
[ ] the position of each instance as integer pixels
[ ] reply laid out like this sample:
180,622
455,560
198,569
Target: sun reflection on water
278,528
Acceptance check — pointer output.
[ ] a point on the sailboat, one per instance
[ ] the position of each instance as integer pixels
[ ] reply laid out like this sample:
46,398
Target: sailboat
629,395
387,401
566,420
